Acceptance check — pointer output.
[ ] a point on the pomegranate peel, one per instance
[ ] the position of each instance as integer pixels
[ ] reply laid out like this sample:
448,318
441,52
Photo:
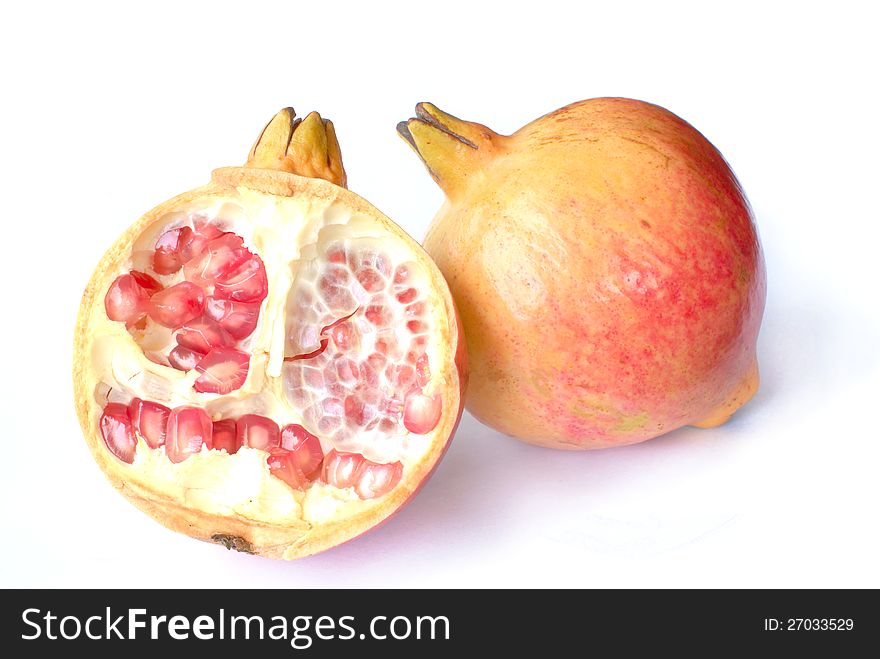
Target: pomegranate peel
607,268
274,346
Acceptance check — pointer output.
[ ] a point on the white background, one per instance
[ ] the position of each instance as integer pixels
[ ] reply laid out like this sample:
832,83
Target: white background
109,110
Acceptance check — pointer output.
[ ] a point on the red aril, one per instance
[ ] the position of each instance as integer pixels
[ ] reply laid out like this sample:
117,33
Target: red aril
176,305
224,436
278,336
341,469
223,370
168,257
127,299
206,229
305,447
239,319
184,359
221,256
257,431
146,282
149,421
246,283
189,428
374,479
421,413
202,334
284,465
369,479
116,430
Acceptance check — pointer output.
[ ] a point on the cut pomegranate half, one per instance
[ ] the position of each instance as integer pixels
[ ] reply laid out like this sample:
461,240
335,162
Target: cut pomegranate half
253,357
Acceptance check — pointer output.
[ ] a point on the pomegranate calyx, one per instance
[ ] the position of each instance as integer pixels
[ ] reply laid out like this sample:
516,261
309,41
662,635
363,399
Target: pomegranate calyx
450,148
306,147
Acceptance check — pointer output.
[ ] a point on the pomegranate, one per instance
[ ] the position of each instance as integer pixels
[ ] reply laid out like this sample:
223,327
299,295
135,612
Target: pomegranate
267,361
606,266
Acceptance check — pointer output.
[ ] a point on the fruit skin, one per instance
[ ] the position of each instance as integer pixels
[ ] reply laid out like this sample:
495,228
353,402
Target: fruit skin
234,531
607,268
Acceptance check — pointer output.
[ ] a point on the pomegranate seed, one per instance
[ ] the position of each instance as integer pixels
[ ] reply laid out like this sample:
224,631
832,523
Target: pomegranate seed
193,248
176,305
369,374
347,370
370,259
336,254
402,273
223,370
145,281
371,280
400,375
370,479
149,421
115,425
386,345
421,413
376,479
167,258
257,431
128,297
188,429
343,335
247,283
220,257
378,314
407,296
184,359
223,436
357,411
305,447
415,310
416,326
376,361
237,318
202,334
423,371
340,469
207,230
284,465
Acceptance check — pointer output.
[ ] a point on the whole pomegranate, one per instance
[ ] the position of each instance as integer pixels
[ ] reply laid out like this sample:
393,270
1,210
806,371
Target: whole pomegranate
267,361
606,267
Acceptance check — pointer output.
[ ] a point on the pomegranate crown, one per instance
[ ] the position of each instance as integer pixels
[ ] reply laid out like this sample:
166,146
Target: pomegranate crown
306,147
453,150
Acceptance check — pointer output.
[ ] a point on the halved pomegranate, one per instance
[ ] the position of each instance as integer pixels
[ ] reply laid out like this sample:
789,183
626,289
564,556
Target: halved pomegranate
268,362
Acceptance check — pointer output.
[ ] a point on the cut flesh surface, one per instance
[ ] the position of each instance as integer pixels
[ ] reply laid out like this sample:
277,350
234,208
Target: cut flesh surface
314,348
